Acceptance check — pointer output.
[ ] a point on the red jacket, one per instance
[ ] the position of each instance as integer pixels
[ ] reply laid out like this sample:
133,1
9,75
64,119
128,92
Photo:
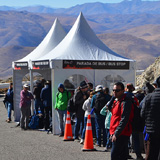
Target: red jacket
122,116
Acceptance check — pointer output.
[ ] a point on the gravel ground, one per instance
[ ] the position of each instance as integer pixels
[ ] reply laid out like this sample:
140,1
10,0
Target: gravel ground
16,144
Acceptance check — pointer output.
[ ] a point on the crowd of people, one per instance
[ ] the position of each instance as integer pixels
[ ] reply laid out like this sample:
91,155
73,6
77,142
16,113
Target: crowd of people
124,119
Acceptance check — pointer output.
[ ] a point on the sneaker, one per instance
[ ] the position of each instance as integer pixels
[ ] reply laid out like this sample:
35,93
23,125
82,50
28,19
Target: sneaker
81,141
61,134
76,140
97,145
129,157
23,128
8,120
140,158
105,149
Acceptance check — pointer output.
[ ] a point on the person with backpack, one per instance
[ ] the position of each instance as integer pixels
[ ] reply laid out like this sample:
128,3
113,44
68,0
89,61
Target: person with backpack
122,111
9,102
99,100
25,106
79,96
137,124
62,98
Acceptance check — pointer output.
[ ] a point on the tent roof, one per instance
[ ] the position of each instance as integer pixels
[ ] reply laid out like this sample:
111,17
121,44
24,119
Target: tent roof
52,39
81,43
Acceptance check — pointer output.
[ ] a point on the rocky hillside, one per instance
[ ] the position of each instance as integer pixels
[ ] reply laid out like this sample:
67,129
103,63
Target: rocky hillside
150,74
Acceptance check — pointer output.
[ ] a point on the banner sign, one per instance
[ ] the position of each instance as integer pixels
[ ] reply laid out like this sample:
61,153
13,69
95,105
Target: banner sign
80,64
40,64
20,65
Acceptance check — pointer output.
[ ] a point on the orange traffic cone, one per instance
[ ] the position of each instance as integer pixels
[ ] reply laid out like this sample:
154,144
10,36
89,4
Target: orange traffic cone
88,141
68,129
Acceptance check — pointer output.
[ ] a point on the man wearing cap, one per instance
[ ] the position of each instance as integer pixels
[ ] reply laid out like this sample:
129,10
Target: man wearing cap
62,98
151,113
79,97
25,106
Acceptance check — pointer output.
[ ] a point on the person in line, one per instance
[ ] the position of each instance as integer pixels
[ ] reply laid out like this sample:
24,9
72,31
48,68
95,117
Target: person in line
46,99
99,100
137,125
25,106
86,107
37,100
79,97
120,126
62,98
90,86
104,111
9,102
150,112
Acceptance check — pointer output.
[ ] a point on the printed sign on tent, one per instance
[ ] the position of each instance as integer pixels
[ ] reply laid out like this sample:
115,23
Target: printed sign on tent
80,64
20,65
40,64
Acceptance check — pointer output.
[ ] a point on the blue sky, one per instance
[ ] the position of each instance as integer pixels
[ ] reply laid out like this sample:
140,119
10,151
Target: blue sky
53,3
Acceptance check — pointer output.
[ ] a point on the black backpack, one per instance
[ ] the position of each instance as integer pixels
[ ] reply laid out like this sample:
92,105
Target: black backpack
71,105
138,122
100,102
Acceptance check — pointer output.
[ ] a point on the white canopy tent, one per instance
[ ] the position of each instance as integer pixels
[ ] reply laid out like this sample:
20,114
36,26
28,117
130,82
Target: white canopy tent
81,55
22,66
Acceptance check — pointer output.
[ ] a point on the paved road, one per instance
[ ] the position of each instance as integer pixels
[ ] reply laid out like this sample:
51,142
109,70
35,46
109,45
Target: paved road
38,145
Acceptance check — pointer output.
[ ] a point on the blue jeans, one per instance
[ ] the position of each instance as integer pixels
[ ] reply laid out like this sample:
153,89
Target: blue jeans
100,125
109,143
85,124
78,127
37,105
120,148
9,107
62,118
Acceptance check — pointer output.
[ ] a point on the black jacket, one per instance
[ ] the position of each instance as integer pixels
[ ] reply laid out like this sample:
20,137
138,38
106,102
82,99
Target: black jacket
79,100
151,111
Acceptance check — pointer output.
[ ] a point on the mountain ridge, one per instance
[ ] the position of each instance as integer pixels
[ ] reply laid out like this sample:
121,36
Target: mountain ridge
134,36
124,7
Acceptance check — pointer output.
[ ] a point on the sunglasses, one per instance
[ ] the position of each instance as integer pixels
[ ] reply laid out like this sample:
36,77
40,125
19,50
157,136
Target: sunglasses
117,90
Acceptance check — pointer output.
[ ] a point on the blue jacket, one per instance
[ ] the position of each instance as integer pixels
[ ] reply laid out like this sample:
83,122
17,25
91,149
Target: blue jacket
9,96
46,96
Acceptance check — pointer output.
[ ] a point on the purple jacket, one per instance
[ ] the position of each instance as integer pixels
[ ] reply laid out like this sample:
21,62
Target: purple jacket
25,98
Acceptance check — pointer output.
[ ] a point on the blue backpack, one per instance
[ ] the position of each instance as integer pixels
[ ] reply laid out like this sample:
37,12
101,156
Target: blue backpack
34,122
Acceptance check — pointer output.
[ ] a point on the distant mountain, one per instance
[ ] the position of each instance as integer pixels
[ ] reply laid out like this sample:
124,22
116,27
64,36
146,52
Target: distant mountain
7,8
147,32
132,47
136,36
28,29
9,54
124,7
